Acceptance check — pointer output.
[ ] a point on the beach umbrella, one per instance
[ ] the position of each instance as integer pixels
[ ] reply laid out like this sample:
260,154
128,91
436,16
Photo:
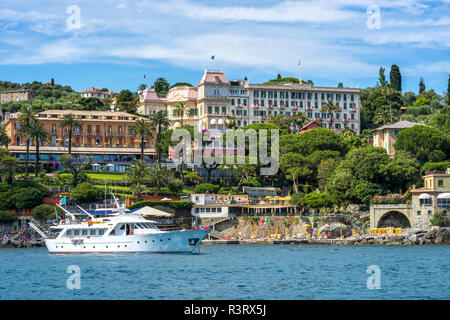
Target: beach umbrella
110,165
95,164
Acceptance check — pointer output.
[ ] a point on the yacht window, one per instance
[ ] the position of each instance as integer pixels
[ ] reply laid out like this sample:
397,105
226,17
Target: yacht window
93,232
76,232
101,232
113,233
84,232
139,226
122,227
68,232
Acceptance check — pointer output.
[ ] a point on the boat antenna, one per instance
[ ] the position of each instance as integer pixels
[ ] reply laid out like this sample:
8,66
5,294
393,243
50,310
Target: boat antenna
66,211
90,215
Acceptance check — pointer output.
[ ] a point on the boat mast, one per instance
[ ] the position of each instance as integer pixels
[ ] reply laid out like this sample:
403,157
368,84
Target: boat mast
66,211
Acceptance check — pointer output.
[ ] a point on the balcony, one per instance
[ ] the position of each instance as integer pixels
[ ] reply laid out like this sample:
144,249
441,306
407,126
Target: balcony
115,134
94,133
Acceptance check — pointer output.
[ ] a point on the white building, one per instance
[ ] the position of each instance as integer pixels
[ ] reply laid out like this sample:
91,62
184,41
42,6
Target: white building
215,98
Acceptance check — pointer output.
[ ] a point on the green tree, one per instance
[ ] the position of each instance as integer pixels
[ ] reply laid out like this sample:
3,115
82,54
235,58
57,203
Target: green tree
28,198
421,86
70,122
159,120
75,166
137,173
329,108
128,101
45,212
161,87
85,193
381,77
420,141
5,140
182,110
175,185
440,219
317,200
158,176
142,129
39,135
395,78
325,170
26,119
296,168
8,168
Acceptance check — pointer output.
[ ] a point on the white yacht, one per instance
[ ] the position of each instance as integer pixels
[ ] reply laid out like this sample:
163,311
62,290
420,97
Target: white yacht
120,233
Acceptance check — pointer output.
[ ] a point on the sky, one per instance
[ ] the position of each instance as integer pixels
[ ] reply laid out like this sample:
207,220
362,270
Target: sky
120,44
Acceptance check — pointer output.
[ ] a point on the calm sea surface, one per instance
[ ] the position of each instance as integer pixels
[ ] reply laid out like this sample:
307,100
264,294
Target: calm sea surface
232,272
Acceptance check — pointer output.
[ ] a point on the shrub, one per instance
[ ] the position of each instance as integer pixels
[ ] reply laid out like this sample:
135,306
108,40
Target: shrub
207,188
175,185
45,211
86,192
318,200
389,199
7,216
440,219
438,166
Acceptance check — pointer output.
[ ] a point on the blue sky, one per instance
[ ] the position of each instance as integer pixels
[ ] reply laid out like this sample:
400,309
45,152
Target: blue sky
121,40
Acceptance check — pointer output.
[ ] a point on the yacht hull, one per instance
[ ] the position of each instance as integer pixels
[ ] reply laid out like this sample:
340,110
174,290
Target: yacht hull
184,241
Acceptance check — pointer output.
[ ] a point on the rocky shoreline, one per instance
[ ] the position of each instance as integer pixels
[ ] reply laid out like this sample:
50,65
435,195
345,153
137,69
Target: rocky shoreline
22,243
410,237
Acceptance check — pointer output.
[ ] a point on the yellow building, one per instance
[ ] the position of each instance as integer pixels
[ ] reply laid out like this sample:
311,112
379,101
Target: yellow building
386,135
104,135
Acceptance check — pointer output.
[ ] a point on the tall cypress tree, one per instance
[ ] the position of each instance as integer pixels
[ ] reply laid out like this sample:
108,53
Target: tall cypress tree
421,86
382,77
396,78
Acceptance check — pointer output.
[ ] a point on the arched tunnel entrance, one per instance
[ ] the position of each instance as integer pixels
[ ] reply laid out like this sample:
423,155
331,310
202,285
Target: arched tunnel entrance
394,219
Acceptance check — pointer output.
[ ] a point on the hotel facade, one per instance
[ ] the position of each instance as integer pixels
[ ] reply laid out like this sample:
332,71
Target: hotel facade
104,135
215,98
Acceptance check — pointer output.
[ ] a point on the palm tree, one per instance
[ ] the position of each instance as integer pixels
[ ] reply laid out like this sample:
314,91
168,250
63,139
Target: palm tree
158,120
389,93
231,122
299,119
142,129
38,134
26,119
181,109
136,173
70,121
158,176
382,116
330,107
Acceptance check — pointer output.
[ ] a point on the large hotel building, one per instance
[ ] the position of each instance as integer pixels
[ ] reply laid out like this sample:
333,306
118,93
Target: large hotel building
215,98
104,136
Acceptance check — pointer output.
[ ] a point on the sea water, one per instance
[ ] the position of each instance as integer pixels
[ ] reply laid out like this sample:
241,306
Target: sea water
270,272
